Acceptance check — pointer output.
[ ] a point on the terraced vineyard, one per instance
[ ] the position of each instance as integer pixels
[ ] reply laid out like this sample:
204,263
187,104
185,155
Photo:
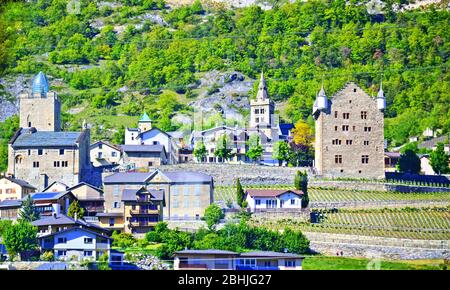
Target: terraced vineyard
326,195
430,224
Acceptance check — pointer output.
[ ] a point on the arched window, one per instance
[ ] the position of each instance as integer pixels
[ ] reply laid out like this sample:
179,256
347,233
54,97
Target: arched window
19,159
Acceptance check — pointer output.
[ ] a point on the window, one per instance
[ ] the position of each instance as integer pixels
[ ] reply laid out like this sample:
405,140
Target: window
257,120
61,253
367,129
116,204
100,155
62,240
289,263
354,90
365,159
155,142
256,111
88,253
111,222
336,142
35,164
40,151
100,146
344,127
150,163
354,128
61,151
29,152
335,114
258,202
88,240
271,203
349,142
176,204
335,128
366,142
346,115
292,201
116,190
338,159
363,115
56,164
114,154
262,111
64,163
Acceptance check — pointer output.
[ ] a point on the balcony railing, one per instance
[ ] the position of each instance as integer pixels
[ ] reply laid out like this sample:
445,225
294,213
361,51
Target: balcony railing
144,211
143,224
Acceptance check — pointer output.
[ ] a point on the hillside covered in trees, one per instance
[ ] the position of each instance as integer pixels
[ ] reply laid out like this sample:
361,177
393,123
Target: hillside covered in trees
112,59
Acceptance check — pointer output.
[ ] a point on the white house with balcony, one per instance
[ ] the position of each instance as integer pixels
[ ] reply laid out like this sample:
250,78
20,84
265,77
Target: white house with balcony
76,243
273,199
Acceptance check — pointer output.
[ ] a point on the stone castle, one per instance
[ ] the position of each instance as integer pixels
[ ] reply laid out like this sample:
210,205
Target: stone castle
39,152
349,134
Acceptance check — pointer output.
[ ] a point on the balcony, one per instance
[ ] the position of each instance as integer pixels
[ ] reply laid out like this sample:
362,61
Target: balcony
192,266
144,212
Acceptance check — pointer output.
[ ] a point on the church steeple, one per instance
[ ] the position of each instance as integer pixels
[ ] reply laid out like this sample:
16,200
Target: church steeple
145,123
262,88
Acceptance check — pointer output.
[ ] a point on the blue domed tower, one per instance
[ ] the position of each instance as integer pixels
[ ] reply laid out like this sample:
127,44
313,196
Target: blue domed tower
40,85
41,109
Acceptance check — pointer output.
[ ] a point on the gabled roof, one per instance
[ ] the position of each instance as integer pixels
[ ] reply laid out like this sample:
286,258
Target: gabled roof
271,192
130,194
104,143
143,148
17,181
154,129
269,254
87,184
207,252
11,203
49,195
56,182
61,219
143,177
285,128
46,139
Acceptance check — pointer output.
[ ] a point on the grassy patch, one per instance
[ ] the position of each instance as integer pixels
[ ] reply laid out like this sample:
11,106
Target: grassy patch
345,263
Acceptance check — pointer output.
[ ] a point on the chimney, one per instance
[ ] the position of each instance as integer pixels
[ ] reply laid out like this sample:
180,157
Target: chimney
76,216
56,209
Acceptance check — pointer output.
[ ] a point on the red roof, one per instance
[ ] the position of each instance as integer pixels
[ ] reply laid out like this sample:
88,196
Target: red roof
271,192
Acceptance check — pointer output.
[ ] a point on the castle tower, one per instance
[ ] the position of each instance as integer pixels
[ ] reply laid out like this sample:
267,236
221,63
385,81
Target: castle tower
349,134
42,108
262,108
145,123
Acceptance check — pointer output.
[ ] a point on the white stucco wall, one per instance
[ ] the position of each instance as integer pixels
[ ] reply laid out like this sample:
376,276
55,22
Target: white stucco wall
285,198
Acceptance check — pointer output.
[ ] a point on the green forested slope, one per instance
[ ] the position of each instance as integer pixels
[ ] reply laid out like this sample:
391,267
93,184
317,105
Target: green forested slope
297,45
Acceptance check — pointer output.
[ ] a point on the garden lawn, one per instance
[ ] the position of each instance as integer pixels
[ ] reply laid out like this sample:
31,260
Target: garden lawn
345,263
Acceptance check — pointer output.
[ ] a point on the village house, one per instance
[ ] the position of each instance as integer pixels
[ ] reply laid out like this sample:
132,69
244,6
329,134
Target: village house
56,186
10,209
273,199
146,134
39,152
13,188
104,154
186,194
143,209
349,133
390,161
89,197
44,202
76,244
226,260
204,260
144,156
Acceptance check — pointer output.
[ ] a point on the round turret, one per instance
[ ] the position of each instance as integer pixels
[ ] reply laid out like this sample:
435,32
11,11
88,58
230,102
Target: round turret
322,100
381,100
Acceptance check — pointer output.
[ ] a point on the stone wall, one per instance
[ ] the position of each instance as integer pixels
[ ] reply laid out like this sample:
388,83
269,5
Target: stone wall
378,247
226,174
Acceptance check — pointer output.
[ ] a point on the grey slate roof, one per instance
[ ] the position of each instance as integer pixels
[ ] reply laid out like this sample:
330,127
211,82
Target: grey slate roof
10,203
269,254
102,214
207,252
62,219
130,194
142,148
48,195
20,182
141,177
188,176
433,142
72,229
46,139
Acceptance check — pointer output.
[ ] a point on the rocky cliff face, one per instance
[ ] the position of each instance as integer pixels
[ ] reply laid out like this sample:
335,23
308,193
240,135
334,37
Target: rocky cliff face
13,87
